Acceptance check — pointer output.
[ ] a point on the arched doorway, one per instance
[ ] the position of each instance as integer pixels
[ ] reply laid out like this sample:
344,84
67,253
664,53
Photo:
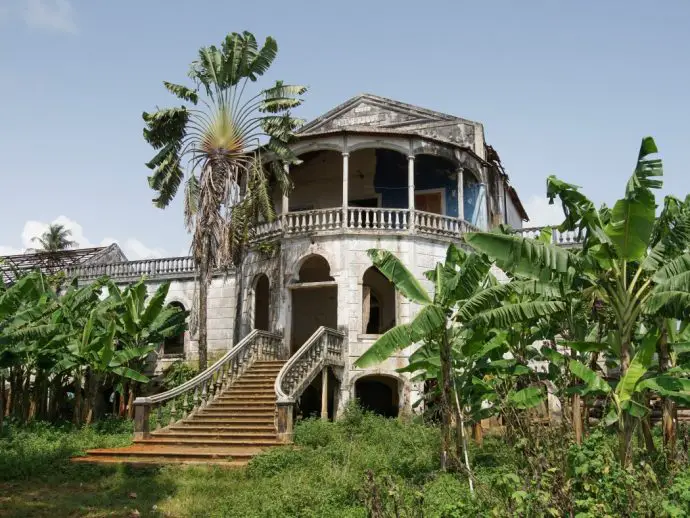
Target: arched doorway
378,302
379,394
314,300
261,302
174,345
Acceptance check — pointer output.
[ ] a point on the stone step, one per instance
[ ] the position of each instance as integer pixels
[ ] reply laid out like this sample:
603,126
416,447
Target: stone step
242,403
206,442
250,391
238,410
241,420
144,450
155,461
196,434
258,378
245,396
222,428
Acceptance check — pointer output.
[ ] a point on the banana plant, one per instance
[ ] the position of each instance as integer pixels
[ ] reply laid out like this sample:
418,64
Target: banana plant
639,268
465,295
142,325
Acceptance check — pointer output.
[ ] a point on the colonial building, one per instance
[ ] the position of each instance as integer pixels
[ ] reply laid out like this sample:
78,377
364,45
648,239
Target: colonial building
374,173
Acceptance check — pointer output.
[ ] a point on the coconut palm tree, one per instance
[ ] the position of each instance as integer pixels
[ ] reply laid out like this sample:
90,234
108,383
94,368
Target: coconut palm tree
56,238
217,143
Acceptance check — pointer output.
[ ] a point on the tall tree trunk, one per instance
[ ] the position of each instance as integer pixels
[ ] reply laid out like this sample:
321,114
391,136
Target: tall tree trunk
130,401
478,433
77,399
26,397
204,281
626,421
446,398
91,384
577,418
123,399
646,427
2,401
239,305
668,424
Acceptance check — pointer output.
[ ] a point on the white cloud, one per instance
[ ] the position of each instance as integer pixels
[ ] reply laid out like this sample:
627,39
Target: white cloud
541,213
57,15
133,248
8,250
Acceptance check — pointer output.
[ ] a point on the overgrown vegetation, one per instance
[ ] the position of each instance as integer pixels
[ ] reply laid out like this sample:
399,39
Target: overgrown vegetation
65,348
584,322
360,466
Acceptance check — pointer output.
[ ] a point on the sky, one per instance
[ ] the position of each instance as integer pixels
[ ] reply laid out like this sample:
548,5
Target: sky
565,88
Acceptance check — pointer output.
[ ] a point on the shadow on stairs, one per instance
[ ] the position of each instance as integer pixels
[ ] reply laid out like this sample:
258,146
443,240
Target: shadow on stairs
229,431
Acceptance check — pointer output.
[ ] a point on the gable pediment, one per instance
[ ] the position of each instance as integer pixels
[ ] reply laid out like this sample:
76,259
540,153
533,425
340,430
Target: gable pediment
371,112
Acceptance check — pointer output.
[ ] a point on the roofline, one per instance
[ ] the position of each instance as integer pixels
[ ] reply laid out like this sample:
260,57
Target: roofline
378,98
517,203
93,249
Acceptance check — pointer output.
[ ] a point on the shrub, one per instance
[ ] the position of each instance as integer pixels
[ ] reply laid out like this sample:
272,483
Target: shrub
177,374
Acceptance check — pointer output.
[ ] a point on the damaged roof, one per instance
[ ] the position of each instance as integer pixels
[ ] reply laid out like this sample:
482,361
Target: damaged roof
13,266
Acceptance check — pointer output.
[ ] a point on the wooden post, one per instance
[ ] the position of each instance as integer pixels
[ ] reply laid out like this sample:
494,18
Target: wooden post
324,394
141,421
284,421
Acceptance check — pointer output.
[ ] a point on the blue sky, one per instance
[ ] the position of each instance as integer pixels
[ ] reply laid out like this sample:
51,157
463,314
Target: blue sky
564,88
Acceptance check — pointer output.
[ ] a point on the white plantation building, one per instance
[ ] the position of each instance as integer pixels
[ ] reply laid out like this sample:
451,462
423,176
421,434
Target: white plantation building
375,173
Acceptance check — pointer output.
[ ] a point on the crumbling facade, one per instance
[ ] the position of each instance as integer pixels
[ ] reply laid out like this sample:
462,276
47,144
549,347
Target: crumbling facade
375,173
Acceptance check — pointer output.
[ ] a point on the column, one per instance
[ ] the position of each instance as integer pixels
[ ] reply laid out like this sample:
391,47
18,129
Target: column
461,193
410,189
346,175
286,201
324,394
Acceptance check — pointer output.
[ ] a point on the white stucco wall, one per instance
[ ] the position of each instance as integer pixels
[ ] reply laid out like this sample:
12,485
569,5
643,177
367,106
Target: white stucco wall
513,216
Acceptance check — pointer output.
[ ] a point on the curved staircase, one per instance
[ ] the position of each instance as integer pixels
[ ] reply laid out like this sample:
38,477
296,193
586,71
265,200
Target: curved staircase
225,415
233,428
233,410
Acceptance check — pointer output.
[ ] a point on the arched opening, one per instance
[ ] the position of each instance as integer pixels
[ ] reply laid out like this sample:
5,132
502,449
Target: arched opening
378,302
379,394
174,345
261,302
315,269
436,185
317,181
314,301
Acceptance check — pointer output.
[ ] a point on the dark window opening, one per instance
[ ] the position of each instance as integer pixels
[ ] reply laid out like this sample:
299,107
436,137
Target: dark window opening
378,394
261,303
175,344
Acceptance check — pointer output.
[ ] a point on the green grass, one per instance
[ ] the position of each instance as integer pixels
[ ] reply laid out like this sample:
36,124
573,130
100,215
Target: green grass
334,469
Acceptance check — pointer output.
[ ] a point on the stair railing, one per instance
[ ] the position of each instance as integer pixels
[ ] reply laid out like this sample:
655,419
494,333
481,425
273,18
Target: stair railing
190,397
324,348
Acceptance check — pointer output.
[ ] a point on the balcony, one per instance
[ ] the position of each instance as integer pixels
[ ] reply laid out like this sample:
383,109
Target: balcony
363,220
569,238
168,267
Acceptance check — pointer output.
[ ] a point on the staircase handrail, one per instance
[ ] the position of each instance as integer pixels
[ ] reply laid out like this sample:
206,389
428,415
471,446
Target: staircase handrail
316,353
196,393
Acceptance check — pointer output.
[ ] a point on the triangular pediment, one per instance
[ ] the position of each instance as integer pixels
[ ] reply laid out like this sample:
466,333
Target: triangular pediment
368,111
